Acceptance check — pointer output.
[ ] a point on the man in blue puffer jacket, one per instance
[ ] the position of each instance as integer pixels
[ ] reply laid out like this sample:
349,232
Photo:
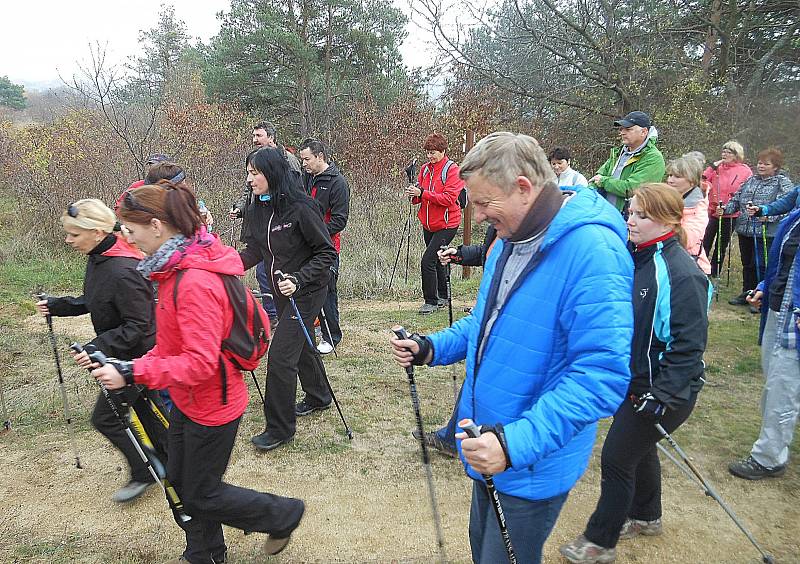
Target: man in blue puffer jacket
547,345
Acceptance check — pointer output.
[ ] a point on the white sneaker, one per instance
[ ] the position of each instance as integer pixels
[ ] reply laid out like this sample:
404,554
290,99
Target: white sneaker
324,347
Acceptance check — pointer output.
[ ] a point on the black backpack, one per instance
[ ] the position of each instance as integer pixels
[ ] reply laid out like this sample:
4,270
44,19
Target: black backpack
248,340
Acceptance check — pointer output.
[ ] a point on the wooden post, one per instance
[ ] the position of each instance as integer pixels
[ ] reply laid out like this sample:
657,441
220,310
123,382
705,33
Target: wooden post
467,215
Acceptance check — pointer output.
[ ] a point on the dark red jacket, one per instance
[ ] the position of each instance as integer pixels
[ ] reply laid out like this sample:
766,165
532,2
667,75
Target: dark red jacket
186,358
439,207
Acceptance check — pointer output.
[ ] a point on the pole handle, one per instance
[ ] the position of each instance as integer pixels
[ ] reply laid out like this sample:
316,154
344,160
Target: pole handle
470,428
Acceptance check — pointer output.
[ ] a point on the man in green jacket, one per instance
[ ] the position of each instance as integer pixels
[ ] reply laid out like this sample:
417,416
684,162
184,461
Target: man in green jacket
636,162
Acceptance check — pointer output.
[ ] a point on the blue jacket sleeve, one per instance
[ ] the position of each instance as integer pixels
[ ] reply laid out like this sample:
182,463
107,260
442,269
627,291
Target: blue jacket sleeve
782,205
597,318
450,345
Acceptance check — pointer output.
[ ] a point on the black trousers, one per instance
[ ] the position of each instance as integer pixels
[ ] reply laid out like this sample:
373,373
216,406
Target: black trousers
198,457
434,274
710,238
108,425
329,323
754,266
630,485
290,356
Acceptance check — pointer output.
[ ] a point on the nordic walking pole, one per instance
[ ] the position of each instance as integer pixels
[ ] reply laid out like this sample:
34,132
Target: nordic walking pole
411,174
406,227
718,245
709,491
67,415
328,328
258,387
474,432
450,316
408,239
426,461
756,250
6,420
173,500
728,254
310,343
764,241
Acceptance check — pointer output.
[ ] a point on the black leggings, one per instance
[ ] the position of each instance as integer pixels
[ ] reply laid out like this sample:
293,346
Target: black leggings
198,457
104,420
711,237
434,274
754,267
630,485
290,356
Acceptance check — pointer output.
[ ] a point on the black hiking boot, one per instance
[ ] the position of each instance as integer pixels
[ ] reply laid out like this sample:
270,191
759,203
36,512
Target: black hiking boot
741,299
305,408
265,441
749,469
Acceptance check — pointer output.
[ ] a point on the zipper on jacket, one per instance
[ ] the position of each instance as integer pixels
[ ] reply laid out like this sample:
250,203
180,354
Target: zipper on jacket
269,246
653,320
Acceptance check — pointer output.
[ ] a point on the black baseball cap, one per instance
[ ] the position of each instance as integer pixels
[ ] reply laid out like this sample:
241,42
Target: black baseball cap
634,118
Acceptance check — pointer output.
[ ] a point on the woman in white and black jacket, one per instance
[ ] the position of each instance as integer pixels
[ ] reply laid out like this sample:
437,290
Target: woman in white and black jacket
670,312
286,231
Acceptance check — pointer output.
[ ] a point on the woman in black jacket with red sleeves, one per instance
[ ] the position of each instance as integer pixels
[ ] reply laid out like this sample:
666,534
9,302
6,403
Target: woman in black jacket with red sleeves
286,230
120,303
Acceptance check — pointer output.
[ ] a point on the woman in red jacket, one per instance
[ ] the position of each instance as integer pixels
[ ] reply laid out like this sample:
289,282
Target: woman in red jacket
209,393
438,188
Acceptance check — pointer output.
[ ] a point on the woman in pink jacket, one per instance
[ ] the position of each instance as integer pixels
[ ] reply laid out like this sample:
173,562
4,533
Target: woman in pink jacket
684,175
725,176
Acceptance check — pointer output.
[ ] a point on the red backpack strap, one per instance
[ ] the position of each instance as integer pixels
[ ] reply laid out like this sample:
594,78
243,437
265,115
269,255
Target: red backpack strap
178,277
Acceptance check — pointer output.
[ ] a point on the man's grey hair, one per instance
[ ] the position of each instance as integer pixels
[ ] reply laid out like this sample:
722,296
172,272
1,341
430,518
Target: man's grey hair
502,156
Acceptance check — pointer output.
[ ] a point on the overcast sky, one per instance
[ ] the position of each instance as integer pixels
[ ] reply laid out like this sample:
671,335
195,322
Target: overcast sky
41,40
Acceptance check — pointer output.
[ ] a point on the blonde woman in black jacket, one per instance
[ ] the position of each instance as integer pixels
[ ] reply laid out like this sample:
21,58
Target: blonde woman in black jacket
120,303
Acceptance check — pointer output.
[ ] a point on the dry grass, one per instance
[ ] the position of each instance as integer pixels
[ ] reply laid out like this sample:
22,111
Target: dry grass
367,500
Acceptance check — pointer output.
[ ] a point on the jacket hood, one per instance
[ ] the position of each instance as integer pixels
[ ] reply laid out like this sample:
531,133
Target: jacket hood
122,248
585,207
693,197
214,257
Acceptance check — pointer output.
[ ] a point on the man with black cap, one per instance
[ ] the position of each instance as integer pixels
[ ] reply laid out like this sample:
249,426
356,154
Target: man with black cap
636,162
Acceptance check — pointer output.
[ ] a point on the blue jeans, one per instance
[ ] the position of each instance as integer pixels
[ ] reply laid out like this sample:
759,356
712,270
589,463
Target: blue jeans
447,434
529,524
265,284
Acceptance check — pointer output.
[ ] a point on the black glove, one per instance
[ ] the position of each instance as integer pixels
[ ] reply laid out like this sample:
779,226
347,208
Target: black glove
648,407
124,367
425,347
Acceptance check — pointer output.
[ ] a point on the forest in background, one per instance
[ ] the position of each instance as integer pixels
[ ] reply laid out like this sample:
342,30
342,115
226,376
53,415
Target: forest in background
706,70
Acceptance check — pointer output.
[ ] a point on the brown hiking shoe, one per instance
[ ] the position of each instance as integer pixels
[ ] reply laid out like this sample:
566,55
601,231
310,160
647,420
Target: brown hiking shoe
635,527
433,441
584,551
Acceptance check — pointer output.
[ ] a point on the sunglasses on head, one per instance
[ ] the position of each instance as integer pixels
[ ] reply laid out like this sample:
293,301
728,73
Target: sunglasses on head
131,203
72,211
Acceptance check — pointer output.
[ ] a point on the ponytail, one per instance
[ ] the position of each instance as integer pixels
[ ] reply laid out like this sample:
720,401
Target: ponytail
167,202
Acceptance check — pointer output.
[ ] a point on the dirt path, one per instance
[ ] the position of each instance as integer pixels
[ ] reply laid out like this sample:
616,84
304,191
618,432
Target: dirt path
366,499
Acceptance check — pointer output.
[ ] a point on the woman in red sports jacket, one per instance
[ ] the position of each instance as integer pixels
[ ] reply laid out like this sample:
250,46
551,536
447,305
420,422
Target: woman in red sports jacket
437,192
209,393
